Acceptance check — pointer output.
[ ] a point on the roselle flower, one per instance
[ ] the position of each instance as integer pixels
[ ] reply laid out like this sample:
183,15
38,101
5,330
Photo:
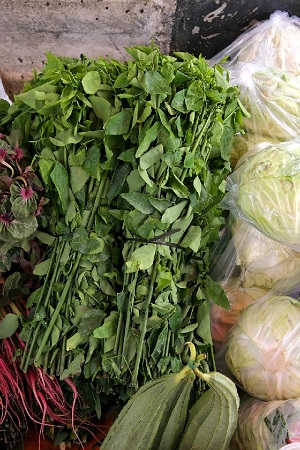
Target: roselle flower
23,199
26,193
2,136
18,153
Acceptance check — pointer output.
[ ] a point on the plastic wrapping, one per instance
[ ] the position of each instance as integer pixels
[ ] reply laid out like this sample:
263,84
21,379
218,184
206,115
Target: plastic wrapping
262,349
274,41
3,94
269,425
265,191
248,266
264,62
222,320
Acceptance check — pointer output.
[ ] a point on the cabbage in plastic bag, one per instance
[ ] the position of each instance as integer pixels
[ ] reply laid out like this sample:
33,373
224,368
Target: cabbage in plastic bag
275,42
265,191
265,262
267,425
263,349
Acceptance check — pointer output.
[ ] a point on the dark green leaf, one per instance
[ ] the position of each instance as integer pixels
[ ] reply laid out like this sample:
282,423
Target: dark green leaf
117,182
103,109
8,325
60,178
119,123
139,201
154,83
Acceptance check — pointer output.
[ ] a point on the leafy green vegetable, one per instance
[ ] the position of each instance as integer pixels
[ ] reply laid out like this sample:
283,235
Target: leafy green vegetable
133,157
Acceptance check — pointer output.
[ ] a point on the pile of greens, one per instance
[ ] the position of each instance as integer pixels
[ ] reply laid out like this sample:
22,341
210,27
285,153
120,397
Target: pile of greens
133,159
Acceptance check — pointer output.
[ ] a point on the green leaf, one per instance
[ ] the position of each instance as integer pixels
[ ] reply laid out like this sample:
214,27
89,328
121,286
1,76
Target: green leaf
46,166
203,318
151,157
160,204
192,239
34,297
154,83
92,162
8,325
60,178
107,330
74,368
83,243
103,109
178,101
42,268
91,320
118,179
150,136
91,82
66,137
139,201
45,238
141,259
171,214
78,178
189,328
216,293
119,123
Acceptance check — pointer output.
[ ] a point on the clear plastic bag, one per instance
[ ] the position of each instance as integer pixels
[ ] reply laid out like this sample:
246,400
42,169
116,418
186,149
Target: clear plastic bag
221,319
248,266
274,42
264,62
262,349
264,190
269,425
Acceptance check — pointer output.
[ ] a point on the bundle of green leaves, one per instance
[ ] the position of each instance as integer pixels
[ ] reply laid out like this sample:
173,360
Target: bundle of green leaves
133,158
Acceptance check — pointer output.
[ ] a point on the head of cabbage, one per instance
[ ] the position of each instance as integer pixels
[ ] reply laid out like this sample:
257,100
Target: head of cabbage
265,191
272,97
267,425
265,262
263,350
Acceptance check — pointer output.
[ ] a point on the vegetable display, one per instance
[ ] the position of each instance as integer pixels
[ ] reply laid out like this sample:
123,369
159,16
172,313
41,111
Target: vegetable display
133,159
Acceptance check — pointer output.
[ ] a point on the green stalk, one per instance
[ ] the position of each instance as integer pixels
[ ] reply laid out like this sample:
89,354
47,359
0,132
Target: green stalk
198,139
128,314
144,324
72,275
119,346
62,357
58,306
34,331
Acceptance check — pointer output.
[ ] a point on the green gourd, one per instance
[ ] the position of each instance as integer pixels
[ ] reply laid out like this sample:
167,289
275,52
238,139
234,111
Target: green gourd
157,416
154,417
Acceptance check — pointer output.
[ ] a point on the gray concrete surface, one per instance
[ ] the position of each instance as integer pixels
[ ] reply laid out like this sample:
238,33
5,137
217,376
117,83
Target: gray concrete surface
30,28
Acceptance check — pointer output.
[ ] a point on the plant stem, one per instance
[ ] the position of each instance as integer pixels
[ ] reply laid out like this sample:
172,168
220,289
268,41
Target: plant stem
144,324
59,306
65,293
34,331
128,314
